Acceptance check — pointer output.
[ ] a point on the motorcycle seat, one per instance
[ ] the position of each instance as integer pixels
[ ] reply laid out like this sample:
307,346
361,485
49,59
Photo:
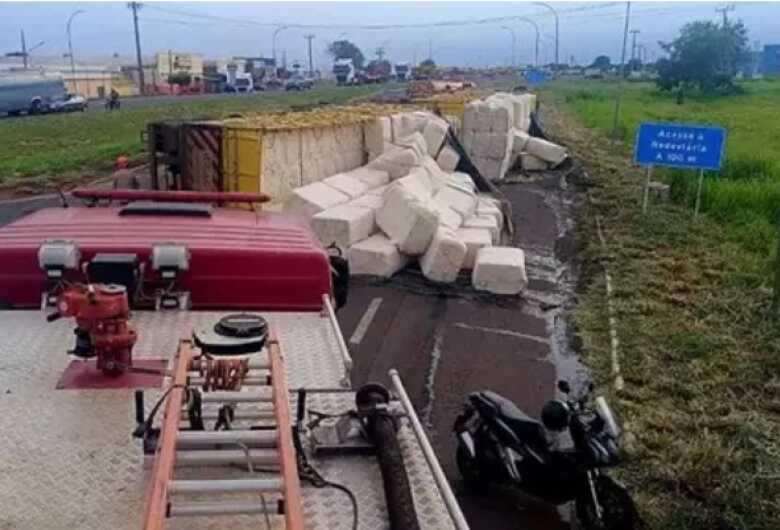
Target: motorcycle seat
524,426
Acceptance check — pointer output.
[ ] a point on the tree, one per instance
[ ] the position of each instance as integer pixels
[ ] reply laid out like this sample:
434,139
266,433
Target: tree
601,62
344,49
705,55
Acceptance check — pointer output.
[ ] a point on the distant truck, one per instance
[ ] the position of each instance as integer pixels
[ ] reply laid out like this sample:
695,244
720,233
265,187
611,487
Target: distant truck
344,71
30,92
402,72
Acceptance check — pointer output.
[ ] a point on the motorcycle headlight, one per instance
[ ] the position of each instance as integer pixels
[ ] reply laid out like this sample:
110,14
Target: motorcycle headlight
605,413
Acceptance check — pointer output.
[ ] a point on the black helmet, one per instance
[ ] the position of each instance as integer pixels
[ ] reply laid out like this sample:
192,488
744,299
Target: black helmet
555,415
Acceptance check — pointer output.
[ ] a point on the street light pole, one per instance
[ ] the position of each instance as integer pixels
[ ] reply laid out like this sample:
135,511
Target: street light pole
273,44
555,13
536,45
70,50
514,44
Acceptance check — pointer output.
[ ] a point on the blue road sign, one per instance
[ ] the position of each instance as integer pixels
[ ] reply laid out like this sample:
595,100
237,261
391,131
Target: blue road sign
679,145
535,77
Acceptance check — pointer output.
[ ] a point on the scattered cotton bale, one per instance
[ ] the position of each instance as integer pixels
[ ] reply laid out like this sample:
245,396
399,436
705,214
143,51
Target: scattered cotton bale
519,141
447,216
373,178
497,145
487,222
343,225
434,133
448,159
375,256
476,116
347,185
408,220
444,257
415,142
377,191
500,270
397,162
418,182
459,199
501,116
372,202
437,177
312,199
532,163
475,239
547,151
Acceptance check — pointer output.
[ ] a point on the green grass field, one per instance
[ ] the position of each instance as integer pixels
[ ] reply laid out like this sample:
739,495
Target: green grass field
746,193
40,151
699,348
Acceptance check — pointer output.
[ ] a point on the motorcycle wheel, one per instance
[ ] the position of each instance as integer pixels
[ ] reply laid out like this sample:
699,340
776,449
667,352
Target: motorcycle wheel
618,510
473,476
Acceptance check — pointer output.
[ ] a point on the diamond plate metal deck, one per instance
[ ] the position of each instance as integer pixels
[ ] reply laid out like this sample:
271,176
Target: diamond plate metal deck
67,460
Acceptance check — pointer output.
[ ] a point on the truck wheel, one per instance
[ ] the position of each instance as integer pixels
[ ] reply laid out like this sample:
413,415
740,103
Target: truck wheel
36,107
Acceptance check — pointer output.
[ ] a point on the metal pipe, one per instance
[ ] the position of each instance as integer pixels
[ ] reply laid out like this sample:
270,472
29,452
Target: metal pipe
169,196
247,381
239,415
222,508
218,457
267,438
441,481
345,355
251,485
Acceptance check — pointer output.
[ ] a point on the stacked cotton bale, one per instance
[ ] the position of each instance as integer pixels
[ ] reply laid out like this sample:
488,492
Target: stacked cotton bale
495,136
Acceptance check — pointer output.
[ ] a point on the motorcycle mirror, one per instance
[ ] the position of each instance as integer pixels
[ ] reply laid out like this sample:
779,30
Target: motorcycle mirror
563,386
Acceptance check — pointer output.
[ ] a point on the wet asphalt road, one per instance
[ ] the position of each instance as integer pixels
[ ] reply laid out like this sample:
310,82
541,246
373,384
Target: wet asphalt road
445,347
10,210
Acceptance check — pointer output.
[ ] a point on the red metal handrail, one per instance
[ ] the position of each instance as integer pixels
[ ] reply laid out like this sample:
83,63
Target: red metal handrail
169,196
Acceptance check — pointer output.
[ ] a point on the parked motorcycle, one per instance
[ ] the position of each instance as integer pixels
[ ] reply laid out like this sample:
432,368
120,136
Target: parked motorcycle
498,443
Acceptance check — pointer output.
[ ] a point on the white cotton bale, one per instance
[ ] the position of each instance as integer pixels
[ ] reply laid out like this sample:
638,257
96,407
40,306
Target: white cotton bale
418,182
519,141
397,162
500,270
375,256
343,225
458,199
476,116
488,222
377,191
407,219
547,151
475,239
376,132
415,142
444,258
346,184
532,163
434,133
501,116
312,199
373,178
437,177
372,202
467,141
489,208
461,180
447,216
448,159
490,168
497,145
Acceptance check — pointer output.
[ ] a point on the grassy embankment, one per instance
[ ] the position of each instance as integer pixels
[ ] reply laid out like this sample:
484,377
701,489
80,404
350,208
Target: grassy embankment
39,152
700,354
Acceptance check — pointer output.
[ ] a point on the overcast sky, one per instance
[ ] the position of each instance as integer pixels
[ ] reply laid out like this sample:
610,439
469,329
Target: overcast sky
226,29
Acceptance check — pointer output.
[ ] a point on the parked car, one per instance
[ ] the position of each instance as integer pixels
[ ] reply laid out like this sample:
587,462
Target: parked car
70,103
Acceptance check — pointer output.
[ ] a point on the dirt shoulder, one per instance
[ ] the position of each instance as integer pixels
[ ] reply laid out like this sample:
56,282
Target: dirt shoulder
699,354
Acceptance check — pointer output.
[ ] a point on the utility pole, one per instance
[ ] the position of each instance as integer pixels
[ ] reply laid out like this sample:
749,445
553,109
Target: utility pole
616,116
70,50
634,33
135,6
430,49
555,14
724,11
309,37
24,50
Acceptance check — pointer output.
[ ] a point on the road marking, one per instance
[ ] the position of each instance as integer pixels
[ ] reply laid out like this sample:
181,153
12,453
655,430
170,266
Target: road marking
365,321
500,331
430,380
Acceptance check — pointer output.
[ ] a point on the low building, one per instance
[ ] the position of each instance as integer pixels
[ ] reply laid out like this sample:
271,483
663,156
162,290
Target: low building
98,83
178,63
